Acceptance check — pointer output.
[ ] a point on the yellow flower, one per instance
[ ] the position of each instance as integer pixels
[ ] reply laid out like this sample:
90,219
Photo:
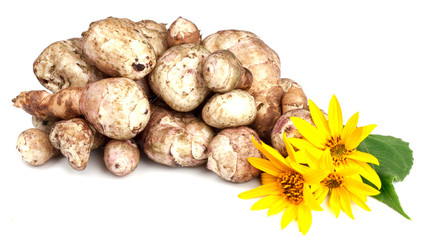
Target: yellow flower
340,141
286,186
344,185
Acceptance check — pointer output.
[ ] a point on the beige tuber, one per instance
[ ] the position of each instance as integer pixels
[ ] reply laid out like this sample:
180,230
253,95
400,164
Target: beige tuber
44,124
156,33
116,107
294,97
264,65
183,31
233,109
62,65
228,154
176,139
223,72
34,146
119,48
121,157
177,78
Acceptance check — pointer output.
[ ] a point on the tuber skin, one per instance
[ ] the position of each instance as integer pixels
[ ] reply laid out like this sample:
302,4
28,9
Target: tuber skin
294,97
118,48
233,109
183,31
116,107
74,138
62,65
285,125
176,139
264,65
121,157
35,147
44,124
177,78
156,33
228,153
223,72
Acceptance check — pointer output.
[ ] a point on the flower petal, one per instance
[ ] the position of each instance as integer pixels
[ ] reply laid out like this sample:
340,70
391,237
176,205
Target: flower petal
280,161
369,173
315,176
310,199
367,130
359,202
335,117
265,202
277,162
264,165
267,178
304,218
277,207
335,202
289,148
350,126
301,144
345,202
357,187
363,157
309,132
289,215
353,141
263,190
319,119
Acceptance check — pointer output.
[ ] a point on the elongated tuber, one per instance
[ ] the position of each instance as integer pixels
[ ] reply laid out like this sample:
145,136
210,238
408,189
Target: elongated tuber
176,139
228,153
285,125
294,97
74,138
223,72
35,147
264,65
119,48
121,157
183,31
233,109
116,107
177,78
63,64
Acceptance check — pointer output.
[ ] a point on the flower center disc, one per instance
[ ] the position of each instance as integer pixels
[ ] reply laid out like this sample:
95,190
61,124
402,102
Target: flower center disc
291,184
332,181
337,153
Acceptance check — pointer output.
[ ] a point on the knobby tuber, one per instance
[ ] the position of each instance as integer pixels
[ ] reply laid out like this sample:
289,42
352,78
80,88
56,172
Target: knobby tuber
62,65
44,124
118,48
285,125
294,97
264,65
176,139
121,157
35,147
116,107
228,153
156,33
74,138
177,78
183,31
223,72
233,109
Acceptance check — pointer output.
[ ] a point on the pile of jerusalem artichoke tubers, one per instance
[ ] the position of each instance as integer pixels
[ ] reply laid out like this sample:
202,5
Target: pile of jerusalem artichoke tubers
185,100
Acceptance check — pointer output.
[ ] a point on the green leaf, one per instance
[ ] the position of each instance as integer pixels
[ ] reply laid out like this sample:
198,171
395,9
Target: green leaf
396,160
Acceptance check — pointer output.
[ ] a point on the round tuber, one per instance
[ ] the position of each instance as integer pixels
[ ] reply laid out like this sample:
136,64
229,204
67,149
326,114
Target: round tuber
223,72
228,154
177,78
285,125
183,31
156,33
232,109
35,147
121,157
294,97
176,139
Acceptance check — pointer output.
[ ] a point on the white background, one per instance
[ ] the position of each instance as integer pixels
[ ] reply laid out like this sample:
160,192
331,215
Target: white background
368,53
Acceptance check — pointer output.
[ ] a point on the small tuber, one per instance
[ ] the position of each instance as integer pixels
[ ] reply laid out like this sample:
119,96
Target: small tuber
294,97
35,147
183,31
228,154
223,72
121,157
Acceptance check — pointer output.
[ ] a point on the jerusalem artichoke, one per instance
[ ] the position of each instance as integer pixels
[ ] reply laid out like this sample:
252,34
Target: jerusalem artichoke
121,157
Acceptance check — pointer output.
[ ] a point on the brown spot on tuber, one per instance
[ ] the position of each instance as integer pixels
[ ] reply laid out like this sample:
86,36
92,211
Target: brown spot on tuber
138,66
